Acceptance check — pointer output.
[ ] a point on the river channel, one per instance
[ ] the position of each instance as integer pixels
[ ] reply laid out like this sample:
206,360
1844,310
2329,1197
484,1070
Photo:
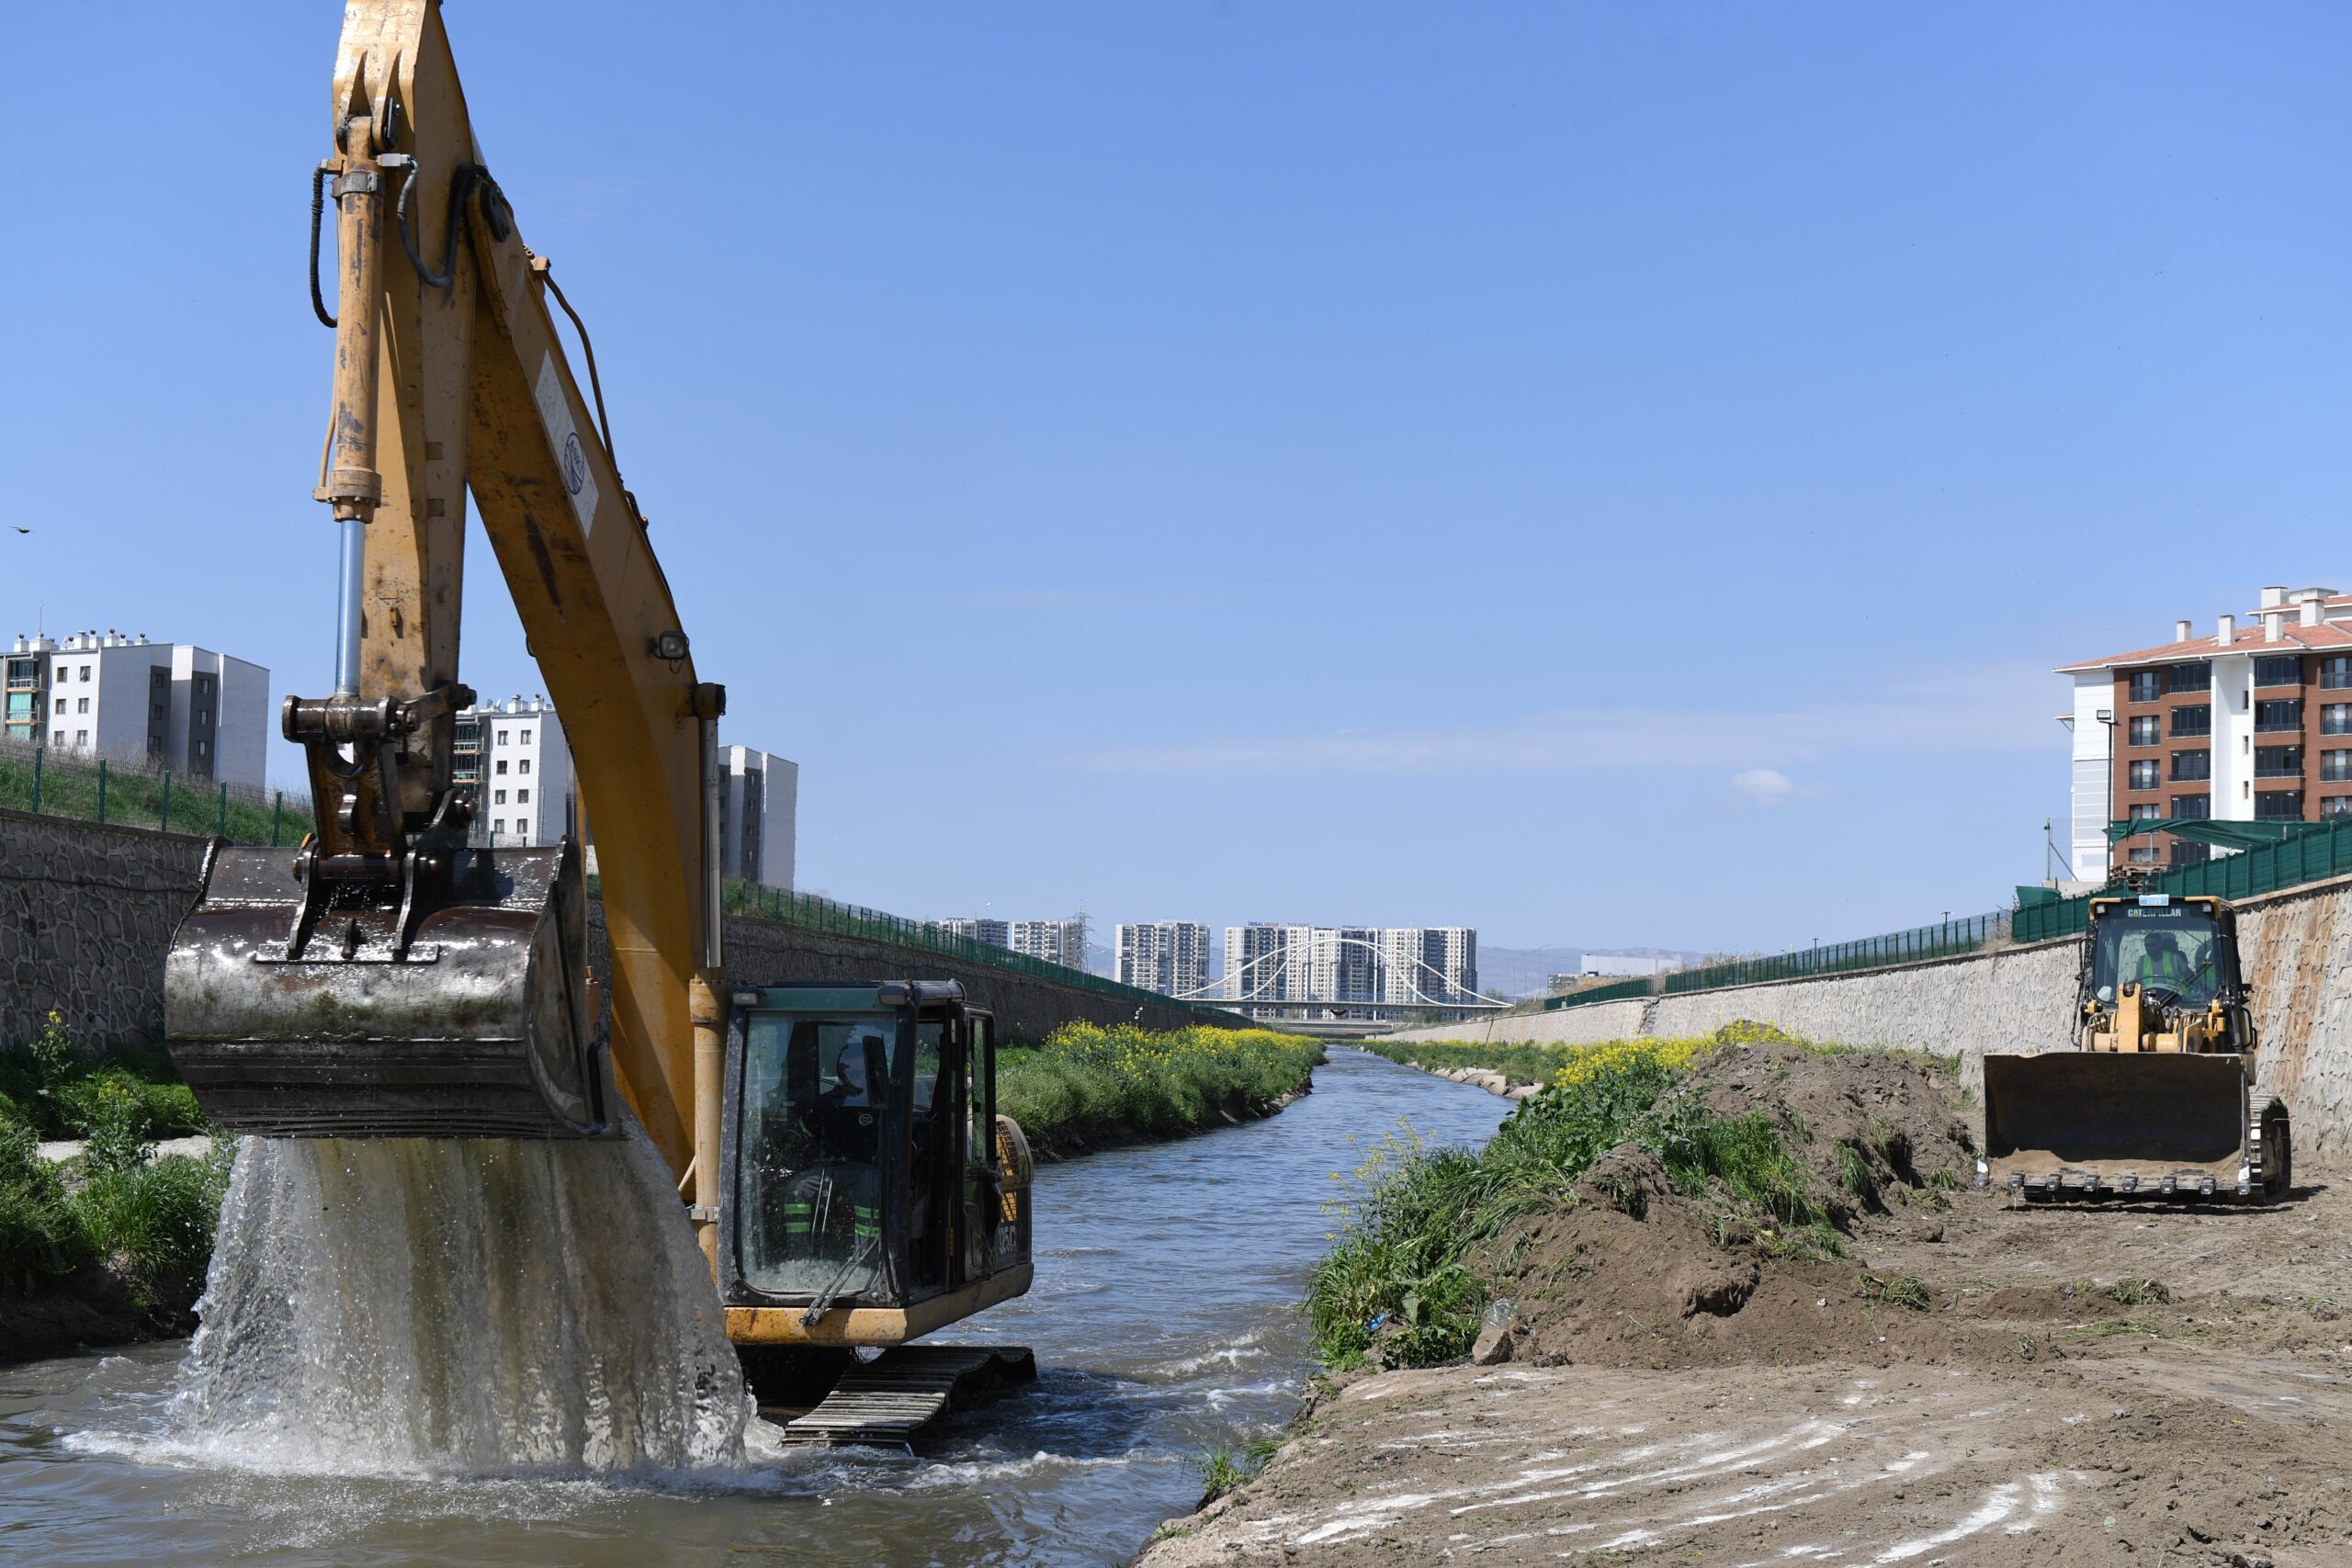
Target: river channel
1164,1318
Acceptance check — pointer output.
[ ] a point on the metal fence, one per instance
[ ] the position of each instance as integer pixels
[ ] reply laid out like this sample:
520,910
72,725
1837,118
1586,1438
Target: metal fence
128,792
809,911
2321,850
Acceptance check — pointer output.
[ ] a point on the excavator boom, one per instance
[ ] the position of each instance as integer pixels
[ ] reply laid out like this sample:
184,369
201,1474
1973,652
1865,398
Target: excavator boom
394,976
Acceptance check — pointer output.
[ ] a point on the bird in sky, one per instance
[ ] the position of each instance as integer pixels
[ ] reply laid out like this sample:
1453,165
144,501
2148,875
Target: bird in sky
24,530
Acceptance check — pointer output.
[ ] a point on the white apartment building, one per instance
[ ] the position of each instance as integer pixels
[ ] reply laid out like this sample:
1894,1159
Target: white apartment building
515,755
154,705
2251,724
1351,964
987,932
1056,941
1168,956
516,758
759,801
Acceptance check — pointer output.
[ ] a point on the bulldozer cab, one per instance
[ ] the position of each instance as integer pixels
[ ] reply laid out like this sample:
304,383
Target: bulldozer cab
2160,973
873,1192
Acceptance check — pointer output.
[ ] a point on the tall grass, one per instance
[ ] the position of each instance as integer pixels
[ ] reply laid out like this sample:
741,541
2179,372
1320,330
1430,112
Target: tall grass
1402,1272
149,1219
1085,1081
135,797
62,1090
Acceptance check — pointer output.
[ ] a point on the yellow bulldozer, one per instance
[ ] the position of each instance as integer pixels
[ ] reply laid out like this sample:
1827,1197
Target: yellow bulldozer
2161,1096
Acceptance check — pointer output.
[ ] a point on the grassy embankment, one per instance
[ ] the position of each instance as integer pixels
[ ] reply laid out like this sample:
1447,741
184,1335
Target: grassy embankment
1088,1086
126,1235
1408,1256
1527,1063
69,787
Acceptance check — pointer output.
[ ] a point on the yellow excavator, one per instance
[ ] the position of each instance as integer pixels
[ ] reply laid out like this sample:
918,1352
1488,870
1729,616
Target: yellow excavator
2160,1097
837,1149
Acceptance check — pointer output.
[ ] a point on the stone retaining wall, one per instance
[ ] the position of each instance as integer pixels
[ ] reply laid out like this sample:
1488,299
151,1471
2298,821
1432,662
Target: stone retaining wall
2296,947
88,912
85,914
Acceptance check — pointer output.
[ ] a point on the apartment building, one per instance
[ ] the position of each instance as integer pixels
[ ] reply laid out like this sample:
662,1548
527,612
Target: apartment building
2250,724
759,801
1168,956
515,755
1366,965
987,932
1056,941
155,705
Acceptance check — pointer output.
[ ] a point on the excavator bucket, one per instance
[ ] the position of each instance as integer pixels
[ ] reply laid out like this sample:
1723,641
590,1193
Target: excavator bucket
470,1019
2145,1123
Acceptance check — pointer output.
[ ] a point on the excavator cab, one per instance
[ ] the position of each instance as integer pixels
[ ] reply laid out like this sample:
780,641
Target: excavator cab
874,1192
2158,1098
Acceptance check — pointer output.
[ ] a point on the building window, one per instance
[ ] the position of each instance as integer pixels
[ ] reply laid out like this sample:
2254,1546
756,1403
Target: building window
2193,677
61,706
81,738
499,826
2278,806
83,706
2147,685
499,767
156,711
2188,722
58,738
2145,856
526,737
2336,671
498,797
2335,805
86,671
2336,767
522,797
2189,766
2280,713
204,748
523,766
2146,730
501,737
2144,811
2192,808
2285,670
2144,774
2277,761
2336,719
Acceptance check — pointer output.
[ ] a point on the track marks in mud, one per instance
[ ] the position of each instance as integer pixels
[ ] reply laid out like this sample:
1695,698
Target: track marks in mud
1872,1476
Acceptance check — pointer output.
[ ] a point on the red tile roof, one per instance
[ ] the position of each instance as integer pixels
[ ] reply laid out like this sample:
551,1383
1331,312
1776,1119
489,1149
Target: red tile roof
2293,638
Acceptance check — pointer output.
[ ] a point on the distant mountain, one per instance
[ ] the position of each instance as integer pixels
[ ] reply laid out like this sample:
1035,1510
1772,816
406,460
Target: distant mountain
1518,973
1521,972
1101,960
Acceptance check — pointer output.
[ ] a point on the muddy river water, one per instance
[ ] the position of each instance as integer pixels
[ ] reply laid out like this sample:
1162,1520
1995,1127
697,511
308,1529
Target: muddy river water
1164,1318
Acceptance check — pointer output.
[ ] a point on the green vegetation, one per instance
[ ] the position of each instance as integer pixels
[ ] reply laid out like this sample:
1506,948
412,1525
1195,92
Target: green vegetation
69,787
1900,1290
1086,1082
2138,1292
1405,1269
63,1091
1519,1063
149,1220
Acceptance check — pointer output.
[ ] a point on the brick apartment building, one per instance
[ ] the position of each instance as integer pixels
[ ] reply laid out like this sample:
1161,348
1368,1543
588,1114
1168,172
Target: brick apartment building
2252,724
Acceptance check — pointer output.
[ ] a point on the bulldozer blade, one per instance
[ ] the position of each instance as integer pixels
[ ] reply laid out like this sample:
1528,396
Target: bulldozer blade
2144,1115
477,1027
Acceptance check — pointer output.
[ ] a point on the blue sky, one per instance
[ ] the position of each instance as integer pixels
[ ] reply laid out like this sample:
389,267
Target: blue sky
1608,475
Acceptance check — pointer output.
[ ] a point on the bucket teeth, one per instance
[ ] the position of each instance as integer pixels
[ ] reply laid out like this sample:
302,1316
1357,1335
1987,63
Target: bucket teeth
478,1030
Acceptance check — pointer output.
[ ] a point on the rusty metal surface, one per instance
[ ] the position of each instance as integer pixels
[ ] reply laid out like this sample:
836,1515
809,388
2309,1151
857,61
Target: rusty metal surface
482,1030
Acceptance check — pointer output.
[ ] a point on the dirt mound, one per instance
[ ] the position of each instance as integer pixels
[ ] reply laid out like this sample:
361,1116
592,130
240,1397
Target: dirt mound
1876,1129
1629,1272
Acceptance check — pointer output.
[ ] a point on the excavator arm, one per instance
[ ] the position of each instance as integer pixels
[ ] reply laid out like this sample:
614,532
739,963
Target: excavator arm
391,976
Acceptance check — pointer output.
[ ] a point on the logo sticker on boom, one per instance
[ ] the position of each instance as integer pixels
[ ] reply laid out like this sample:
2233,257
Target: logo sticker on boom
555,413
